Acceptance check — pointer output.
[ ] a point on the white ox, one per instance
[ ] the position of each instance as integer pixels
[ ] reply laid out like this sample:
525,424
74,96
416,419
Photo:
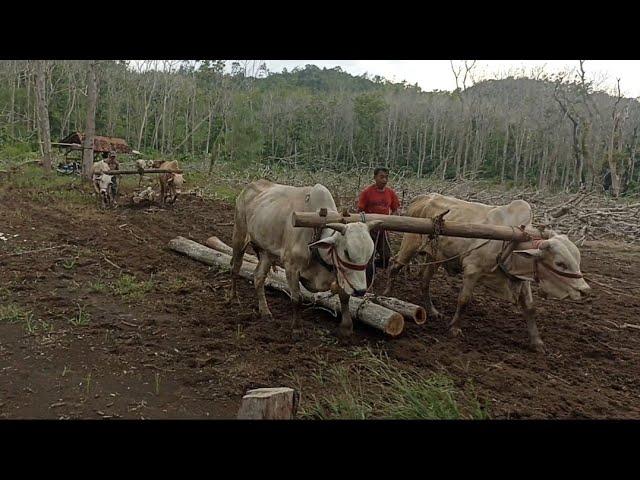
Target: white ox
263,217
101,181
552,263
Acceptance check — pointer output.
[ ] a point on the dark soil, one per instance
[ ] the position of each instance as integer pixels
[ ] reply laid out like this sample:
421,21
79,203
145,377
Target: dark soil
180,351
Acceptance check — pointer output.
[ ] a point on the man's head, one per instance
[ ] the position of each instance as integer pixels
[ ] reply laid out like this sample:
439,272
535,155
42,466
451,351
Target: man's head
381,177
112,154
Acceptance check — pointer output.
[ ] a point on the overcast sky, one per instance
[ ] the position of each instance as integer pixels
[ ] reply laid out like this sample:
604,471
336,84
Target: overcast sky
437,74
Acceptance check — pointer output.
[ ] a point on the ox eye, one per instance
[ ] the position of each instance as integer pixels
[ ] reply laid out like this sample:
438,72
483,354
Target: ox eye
562,265
346,254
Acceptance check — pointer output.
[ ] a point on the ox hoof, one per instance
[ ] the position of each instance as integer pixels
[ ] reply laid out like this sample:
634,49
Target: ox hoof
455,332
267,317
435,314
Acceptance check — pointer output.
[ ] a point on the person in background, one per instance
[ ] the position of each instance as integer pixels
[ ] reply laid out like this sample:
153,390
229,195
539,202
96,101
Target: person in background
114,165
381,199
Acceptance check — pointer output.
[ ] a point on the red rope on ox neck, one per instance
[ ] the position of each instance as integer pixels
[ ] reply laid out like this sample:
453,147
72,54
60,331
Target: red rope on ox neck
341,265
536,242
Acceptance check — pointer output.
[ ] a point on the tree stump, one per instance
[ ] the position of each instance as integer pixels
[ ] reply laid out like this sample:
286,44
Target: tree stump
269,404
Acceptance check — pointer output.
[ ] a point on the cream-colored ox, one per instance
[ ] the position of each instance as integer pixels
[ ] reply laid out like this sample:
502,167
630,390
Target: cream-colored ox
553,263
170,183
102,181
335,261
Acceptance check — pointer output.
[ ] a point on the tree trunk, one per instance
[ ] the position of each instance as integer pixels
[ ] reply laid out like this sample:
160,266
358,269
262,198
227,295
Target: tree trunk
14,82
43,115
146,112
90,128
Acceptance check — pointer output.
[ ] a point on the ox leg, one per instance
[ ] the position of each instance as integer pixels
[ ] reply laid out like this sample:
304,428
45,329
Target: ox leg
293,280
525,299
346,324
469,281
259,276
239,247
162,192
429,271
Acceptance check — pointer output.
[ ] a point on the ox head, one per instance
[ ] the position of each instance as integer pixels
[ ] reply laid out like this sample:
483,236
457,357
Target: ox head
350,250
104,185
557,266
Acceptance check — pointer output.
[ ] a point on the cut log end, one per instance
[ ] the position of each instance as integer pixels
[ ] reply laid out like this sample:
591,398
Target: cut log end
420,316
395,325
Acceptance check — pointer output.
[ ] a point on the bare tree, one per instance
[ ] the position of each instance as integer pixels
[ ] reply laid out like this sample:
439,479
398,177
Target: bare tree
43,114
90,129
612,161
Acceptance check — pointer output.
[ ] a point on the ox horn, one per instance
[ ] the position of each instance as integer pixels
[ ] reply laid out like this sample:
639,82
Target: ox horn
339,227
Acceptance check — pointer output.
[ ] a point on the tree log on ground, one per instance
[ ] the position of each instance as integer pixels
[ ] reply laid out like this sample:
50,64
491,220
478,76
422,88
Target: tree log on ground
362,309
408,310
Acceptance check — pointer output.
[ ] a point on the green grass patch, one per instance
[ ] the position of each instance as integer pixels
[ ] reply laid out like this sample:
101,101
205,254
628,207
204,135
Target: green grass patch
80,319
12,313
372,387
98,287
129,287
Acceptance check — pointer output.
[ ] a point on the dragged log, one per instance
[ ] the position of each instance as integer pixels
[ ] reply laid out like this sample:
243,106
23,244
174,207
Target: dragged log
362,310
409,311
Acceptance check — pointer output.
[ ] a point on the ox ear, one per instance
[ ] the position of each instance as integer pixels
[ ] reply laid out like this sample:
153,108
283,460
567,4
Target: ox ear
373,224
338,227
530,253
324,243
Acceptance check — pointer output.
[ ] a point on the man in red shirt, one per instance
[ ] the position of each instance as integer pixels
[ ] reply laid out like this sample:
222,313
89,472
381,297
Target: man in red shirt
378,198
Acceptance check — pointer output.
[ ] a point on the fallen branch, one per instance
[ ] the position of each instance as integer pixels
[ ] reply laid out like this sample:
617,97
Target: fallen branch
34,251
363,310
110,262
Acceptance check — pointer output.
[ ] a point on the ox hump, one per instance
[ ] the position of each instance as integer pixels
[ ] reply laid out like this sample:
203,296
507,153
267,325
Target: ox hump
320,197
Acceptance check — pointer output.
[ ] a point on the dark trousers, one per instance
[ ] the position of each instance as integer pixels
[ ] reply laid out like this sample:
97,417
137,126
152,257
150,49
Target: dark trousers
381,255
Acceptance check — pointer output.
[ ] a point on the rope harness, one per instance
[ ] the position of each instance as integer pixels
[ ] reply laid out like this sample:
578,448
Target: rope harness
509,247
